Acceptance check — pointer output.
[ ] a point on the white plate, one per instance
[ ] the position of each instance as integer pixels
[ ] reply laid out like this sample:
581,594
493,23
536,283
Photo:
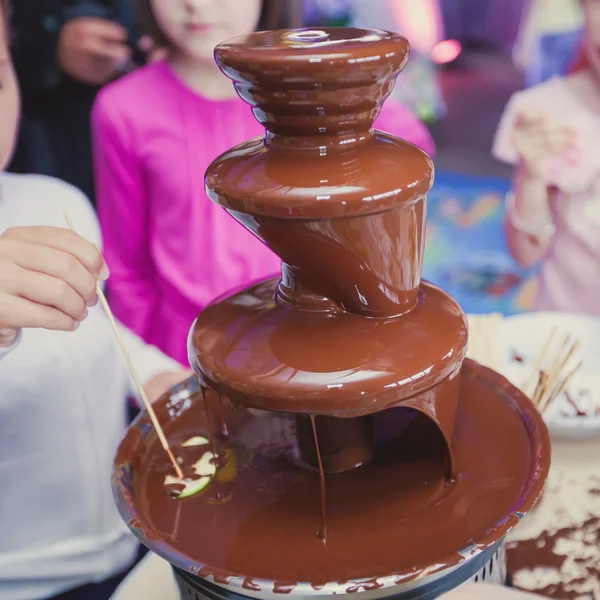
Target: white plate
525,336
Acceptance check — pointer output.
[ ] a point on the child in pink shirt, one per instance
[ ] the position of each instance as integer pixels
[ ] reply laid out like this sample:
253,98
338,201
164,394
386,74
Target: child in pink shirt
170,250
551,132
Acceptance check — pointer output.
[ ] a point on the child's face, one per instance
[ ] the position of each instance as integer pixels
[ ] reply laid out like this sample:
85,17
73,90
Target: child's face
9,100
195,27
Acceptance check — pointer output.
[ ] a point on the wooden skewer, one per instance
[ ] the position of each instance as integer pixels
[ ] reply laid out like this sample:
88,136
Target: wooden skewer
140,387
541,386
535,375
551,374
559,365
551,380
560,388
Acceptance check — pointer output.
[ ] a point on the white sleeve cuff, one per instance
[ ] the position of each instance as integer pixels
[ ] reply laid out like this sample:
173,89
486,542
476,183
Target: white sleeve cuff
148,360
4,350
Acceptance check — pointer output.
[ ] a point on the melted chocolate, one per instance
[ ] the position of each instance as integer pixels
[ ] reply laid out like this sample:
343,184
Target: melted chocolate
423,455
323,529
343,443
209,429
224,431
571,401
401,500
348,330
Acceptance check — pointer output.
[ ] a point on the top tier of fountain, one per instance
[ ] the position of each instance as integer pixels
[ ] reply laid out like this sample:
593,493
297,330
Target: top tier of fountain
304,83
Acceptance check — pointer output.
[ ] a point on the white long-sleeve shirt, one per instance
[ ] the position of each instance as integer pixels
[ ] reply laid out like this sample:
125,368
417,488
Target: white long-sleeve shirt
62,416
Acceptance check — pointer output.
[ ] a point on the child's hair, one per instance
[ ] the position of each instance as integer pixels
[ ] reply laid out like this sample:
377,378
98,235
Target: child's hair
272,17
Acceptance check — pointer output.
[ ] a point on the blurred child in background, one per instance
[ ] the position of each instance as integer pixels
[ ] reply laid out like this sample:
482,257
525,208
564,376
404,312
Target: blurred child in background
550,133
170,249
63,52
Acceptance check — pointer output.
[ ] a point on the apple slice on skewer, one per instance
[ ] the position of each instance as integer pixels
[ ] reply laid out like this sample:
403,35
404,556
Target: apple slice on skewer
204,469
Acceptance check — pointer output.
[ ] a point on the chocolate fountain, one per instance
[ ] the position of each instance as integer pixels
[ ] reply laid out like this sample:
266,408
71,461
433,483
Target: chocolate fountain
354,450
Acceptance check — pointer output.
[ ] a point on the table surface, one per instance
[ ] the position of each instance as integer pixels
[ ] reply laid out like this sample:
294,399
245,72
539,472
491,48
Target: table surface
572,497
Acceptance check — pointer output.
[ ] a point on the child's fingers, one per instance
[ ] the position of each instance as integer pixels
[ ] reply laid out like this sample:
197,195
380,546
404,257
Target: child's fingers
545,130
528,118
540,122
549,140
18,313
65,241
59,265
52,292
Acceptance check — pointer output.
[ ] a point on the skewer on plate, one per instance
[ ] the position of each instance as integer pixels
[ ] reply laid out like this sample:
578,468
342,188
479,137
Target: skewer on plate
140,387
553,370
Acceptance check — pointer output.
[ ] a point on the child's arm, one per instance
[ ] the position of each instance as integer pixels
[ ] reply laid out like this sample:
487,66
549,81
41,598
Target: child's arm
157,372
50,36
123,208
529,226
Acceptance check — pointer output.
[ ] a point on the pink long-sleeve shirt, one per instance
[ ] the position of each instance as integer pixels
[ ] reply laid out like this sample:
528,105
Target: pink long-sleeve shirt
170,249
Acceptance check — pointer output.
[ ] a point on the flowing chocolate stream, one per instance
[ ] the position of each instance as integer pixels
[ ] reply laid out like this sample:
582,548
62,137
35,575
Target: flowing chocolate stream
211,436
223,431
323,530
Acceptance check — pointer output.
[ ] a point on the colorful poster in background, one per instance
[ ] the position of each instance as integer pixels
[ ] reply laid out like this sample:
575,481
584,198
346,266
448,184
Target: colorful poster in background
466,251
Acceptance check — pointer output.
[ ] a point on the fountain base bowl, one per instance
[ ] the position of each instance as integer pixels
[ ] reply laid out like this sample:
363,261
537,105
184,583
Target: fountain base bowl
406,531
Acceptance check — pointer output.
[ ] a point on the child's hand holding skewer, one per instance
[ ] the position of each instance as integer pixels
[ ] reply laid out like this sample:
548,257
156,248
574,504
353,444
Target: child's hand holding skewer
48,279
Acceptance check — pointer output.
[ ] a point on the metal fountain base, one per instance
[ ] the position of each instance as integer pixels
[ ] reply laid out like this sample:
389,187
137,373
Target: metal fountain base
487,567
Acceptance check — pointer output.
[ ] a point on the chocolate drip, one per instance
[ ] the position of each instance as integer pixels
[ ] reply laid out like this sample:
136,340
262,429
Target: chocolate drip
323,530
578,411
209,430
224,432
344,444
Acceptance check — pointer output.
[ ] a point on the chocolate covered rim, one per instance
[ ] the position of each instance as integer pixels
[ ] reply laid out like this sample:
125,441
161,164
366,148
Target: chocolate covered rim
179,400
259,56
